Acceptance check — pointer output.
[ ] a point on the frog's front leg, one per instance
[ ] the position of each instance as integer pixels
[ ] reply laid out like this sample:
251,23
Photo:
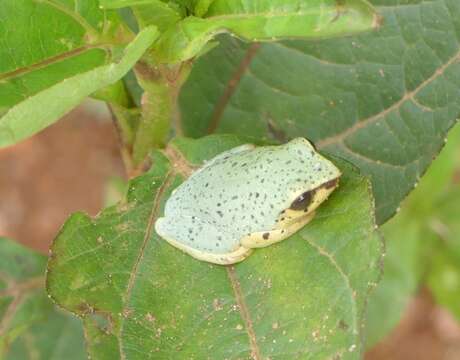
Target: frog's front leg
266,238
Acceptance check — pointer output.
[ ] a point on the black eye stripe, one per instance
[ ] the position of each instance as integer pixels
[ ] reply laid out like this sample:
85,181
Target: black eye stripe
303,201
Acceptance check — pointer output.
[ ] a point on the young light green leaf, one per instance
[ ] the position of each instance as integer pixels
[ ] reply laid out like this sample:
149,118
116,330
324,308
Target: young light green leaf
148,12
118,4
30,326
144,298
384,100
268,21
44,108
39,54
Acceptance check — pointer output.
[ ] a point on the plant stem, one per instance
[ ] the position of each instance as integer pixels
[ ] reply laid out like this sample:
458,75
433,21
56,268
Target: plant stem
161,85
124,115
125,121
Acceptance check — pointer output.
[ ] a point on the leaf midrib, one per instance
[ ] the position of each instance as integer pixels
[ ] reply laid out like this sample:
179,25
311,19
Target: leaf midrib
244,312
95,34
231,87
169,177
52,60
339,137
271,14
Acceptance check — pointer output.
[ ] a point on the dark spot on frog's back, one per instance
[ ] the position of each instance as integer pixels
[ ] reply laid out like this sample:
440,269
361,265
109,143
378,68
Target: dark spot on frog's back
266,235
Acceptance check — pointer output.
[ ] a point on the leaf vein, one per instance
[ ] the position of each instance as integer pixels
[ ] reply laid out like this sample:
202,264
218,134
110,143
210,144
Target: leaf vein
155,208
330,257
367,159
231,87
50,61
75,16
358,125
255,353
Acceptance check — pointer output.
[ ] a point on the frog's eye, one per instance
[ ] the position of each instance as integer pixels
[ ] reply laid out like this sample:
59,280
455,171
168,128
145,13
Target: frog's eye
303,201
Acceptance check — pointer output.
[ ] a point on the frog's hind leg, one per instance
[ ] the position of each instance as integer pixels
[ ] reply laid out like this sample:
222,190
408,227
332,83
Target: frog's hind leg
266,238
201,239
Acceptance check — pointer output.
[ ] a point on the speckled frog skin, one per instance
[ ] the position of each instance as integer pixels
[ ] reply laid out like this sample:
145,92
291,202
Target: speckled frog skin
245,198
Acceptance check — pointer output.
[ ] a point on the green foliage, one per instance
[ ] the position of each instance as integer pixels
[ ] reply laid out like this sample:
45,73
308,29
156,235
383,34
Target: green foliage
159,13
423,246
39,54
36,54
148,299
30,116
30,326
383,100
266,21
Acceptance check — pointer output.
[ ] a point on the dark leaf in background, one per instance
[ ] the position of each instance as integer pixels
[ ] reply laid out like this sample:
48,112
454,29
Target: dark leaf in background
31,327
383,100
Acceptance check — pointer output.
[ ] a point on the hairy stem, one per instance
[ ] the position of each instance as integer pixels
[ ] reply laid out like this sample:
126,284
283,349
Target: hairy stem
161,85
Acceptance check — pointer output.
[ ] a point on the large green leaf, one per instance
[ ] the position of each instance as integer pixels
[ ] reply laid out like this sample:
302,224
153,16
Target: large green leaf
47,106
30,326
45,42
384,100
302,298
266,20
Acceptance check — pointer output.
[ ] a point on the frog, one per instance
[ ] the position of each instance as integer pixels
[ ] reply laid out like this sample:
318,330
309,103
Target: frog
246,198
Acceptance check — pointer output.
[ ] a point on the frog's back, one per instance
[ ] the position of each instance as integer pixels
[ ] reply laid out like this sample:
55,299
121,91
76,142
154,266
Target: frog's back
244,192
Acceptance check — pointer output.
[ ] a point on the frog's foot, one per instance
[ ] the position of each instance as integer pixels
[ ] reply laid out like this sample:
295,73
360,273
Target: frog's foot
266,238
201,239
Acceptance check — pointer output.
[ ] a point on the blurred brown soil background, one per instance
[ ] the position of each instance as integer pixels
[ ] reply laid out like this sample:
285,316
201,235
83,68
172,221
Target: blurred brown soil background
66,168
59,171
